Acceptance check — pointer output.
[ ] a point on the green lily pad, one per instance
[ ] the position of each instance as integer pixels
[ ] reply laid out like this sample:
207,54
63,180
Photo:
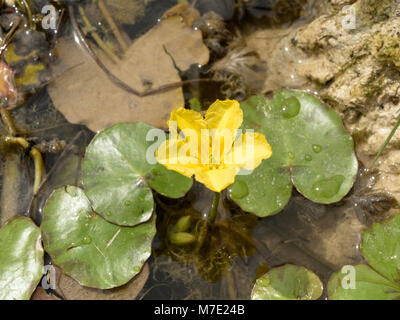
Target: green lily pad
381,248
288,282
21,259
381,279
310,149
90,249
118,178
369,285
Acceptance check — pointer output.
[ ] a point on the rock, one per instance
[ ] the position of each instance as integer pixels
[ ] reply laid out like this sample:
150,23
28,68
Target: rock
356,70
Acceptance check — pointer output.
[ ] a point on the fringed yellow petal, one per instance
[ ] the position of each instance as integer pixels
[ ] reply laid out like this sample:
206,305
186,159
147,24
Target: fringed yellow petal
188,120
212,155
224,115
249,151
223,118
217,179
175,155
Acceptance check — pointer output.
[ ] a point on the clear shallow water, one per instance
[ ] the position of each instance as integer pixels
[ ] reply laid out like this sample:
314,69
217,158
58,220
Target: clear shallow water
321,238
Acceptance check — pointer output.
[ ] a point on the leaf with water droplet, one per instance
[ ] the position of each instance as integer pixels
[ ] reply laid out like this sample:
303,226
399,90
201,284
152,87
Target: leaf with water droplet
239,190
310,150
316,148
327,188
21,259
288,282
290,107
121,193
96,253
380,280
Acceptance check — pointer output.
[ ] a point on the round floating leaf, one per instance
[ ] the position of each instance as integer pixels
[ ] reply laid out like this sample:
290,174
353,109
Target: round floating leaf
368,285
118,178
21,259
310,149
288,282
86,247
381,248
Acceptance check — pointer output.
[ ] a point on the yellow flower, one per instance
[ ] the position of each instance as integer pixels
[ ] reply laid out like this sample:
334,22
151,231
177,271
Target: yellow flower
212,148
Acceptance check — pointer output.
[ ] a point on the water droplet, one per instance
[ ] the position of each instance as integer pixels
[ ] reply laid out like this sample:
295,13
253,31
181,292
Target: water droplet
87,240
239,190
108,213
307,157
291,107
291,155
316,148
327,188
127,203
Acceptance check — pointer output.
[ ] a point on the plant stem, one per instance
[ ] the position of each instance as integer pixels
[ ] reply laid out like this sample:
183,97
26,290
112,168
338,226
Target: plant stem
37,159
392,133
9,199
7,39
26,6
113,26
97,38
7,122
214,209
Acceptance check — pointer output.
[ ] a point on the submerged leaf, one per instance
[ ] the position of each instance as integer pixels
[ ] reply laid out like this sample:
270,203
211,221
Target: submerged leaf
150,62
86,247
288,282
311,150
214,247
21,259
70,289
118,177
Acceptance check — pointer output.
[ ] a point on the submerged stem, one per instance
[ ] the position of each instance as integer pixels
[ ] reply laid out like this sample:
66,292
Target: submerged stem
113,26
97,38
214,209
7,122
26,6
9,198
7,39
37,159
